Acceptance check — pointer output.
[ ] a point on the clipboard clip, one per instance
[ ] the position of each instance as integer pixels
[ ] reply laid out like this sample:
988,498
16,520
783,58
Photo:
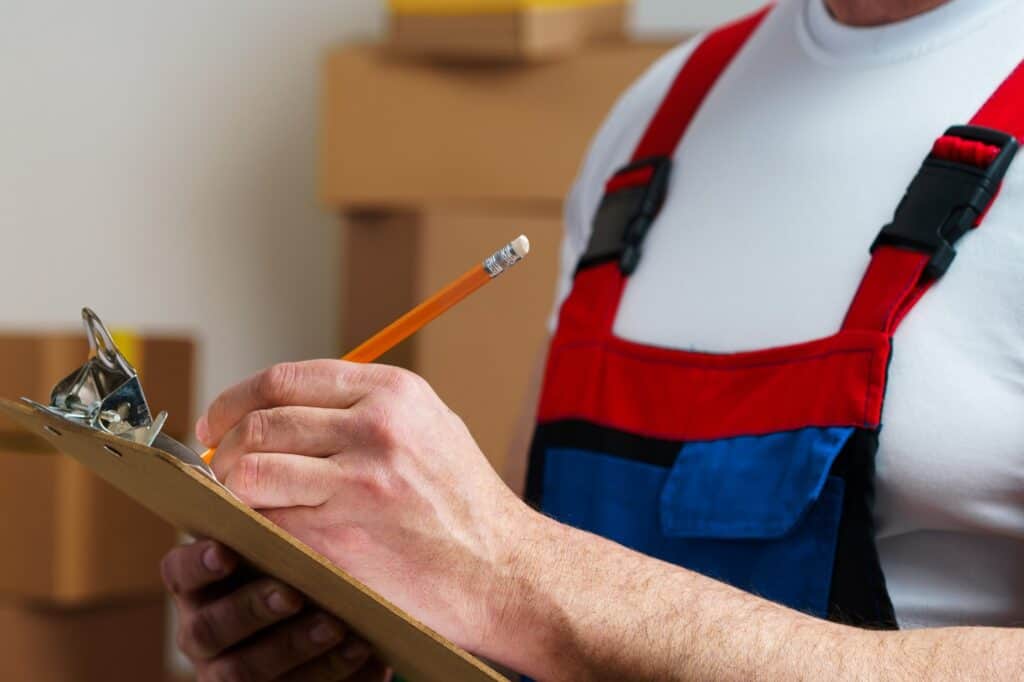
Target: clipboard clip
105,394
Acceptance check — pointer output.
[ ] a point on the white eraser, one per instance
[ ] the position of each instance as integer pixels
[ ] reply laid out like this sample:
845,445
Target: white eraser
521,245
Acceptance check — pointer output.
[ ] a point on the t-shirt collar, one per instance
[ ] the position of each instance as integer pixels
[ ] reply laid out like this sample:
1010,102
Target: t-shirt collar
830,40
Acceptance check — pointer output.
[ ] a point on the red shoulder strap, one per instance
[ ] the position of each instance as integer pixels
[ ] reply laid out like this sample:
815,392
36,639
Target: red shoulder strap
683,99
692,85
633,194
899,274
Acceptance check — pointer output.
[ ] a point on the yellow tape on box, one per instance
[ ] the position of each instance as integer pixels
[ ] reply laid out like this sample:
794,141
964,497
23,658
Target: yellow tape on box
130,345
436,7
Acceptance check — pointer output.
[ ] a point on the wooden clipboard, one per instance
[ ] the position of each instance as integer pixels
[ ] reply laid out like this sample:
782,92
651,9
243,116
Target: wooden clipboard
195,504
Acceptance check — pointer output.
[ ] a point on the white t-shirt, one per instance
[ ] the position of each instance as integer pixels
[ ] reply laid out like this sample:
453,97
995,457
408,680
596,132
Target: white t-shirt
795,161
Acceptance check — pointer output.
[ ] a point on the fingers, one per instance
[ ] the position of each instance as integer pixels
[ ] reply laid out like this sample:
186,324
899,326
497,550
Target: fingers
374,671
316,383
190,568
313,431
341,663
207,630
280,651
271,480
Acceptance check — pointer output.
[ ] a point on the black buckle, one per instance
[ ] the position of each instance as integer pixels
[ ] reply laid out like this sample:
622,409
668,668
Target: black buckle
946,198
647,211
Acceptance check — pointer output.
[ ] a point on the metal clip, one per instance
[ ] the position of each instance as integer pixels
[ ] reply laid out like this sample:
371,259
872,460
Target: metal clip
105,394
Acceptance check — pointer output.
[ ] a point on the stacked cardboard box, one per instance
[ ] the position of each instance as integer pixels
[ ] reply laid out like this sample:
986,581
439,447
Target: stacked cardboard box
432,168
80,591
503,30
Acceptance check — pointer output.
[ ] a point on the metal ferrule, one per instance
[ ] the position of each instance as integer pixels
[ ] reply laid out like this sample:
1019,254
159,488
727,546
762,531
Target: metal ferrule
501,260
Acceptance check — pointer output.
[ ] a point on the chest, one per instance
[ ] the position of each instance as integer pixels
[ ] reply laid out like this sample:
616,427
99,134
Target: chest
723,276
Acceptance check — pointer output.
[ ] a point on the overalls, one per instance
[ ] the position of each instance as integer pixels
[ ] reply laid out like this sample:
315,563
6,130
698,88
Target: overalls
754,468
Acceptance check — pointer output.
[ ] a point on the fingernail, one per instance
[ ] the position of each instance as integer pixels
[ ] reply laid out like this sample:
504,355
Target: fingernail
203,430
212,560
282,602
325,632
355,650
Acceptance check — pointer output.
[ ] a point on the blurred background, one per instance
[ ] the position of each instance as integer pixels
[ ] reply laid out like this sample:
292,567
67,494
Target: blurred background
236,183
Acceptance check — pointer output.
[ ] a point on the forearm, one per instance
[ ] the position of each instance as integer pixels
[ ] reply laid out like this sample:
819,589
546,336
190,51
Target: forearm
585,608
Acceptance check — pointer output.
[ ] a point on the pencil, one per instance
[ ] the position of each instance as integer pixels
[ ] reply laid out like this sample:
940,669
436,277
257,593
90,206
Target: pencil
432,308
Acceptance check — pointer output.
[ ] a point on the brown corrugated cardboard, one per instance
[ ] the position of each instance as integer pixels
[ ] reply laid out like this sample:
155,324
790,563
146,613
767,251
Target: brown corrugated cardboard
31,364
78,540
527,34
399,132
123,642
196,504
478,356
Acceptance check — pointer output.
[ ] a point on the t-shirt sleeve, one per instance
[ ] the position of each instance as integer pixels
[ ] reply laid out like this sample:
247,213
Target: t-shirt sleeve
611,149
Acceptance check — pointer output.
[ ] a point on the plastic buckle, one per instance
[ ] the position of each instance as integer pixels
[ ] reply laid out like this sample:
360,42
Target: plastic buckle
946,199
647,211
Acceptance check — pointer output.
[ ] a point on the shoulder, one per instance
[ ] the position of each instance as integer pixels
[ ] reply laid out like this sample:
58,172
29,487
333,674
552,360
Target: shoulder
618,136
615,140
610,149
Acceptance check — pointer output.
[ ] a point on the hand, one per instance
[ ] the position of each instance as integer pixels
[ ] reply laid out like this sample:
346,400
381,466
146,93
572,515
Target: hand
365,464
242,628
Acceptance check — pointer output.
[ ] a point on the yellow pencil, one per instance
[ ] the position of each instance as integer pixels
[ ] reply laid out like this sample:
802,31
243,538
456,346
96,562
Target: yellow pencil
433,307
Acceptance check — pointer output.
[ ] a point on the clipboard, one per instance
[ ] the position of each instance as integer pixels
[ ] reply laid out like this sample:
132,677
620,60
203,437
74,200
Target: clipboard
183,495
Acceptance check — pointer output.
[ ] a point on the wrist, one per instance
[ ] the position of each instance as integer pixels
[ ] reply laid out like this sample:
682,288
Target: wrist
527,625
513,572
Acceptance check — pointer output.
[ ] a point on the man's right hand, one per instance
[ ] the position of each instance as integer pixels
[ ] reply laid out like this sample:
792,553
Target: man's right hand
239,628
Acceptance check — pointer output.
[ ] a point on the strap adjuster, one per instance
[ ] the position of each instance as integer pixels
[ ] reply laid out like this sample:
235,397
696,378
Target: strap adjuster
947,198
647,209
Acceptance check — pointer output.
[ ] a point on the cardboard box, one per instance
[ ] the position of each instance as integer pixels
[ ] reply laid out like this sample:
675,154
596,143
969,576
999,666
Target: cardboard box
432,168
503,30
479,356
73,539
123,642
401,133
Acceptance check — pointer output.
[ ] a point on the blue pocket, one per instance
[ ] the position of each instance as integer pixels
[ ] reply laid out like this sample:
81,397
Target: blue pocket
760,513
755,487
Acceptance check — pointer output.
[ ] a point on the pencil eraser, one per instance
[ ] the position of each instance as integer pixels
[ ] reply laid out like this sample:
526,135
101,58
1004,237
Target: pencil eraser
521,245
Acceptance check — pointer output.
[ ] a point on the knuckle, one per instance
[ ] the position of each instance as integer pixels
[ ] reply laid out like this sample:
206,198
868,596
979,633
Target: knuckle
402,381
331,667
254,429
197,635
378,486
378,425
251,612
275,383
250,475
233,669
351,538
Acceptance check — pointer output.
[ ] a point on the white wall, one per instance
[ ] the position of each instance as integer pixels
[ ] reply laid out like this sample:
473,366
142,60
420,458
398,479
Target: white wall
158,163
668,17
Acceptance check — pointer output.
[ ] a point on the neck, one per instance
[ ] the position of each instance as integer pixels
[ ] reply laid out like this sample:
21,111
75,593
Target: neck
878,12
